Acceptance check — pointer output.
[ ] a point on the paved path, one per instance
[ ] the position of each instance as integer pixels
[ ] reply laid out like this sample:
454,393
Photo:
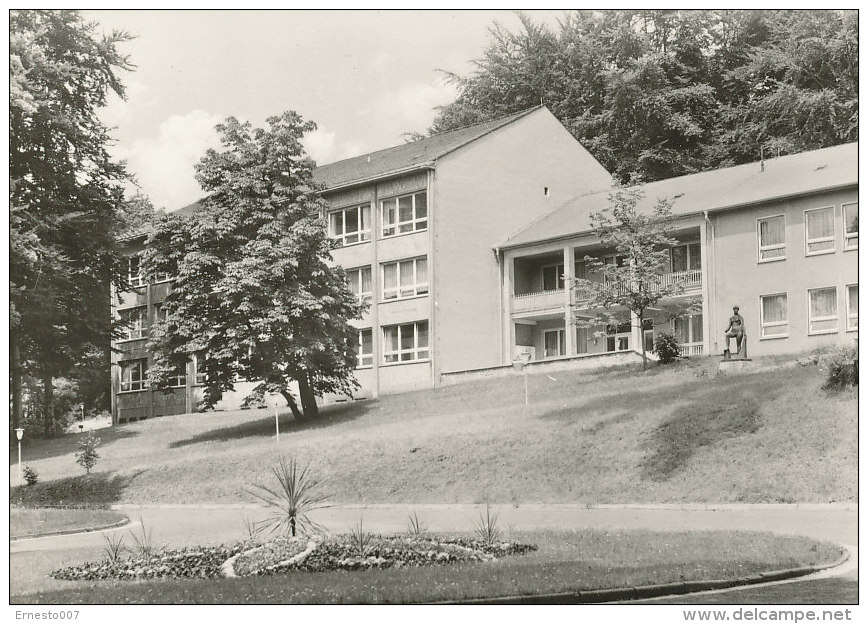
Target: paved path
180,525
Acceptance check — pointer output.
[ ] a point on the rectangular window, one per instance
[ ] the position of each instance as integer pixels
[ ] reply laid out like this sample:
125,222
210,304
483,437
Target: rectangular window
851,225
823,310
820,230
351,225
360,283
164,276
553,277
554,343
618,337
161,313
773,316
365,348
408,213
405,343
771,233
581,339
134,375
179,378
406,278
135,323
199,375
687,257
688,329
853,307
135,278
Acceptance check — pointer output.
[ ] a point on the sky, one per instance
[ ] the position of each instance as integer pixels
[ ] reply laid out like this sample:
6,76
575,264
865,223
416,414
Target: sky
364,77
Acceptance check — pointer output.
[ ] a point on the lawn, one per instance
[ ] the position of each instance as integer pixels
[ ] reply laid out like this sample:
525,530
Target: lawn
25,522
831,591
672,434
565,561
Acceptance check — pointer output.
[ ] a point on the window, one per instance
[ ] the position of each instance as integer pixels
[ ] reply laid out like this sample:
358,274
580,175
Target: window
360,283
553,277
823,310
135,278
688,329
773,316
351,225
408,213
404,343
853,307
161,313
686,257
135,323
820,230
199,375
179,377
554,343
164,276
851,225
772,238
618,337
134,375
365,348
581,339
407,278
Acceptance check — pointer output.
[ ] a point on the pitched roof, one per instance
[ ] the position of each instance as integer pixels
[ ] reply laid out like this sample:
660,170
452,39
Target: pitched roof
408,156
720,189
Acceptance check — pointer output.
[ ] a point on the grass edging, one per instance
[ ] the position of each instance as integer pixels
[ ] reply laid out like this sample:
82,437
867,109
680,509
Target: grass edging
103,527
642,592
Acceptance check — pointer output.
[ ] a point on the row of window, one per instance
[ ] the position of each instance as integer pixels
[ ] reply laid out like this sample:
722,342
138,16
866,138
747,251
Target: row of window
400,279
136,321
401,343
822,312
686,329
134,375
398,215
820,235
136,276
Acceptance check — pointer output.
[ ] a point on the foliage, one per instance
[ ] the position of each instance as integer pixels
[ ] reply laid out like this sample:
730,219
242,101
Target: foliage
274,553
360,541
666,348
30,475
65,401
250,529
113,547
255,290
659,93
415,527
297,494
86,456
89,490
640,236
486,528
144,541
840,367
64,195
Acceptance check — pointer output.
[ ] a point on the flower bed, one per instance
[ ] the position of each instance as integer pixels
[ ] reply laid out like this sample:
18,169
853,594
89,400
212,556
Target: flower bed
274,552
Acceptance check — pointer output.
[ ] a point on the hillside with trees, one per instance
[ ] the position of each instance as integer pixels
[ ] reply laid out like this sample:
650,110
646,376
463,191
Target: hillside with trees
662,93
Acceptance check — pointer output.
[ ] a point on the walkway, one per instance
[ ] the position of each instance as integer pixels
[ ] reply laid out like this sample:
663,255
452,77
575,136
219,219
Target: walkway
180,525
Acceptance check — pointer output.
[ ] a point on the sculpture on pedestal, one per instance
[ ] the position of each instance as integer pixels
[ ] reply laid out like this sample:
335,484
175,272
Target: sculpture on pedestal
736,330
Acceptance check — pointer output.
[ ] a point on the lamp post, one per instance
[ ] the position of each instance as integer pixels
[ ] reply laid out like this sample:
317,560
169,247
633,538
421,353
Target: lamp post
20,433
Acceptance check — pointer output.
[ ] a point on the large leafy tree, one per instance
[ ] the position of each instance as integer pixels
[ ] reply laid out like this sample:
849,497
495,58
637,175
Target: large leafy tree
254,291
659,93
64,197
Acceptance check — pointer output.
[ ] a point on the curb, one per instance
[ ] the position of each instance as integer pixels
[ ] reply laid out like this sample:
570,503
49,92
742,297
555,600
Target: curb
644,592
103,527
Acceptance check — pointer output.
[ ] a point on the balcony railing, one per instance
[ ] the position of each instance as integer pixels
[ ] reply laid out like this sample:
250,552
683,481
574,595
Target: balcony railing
687,350
691,281
542,301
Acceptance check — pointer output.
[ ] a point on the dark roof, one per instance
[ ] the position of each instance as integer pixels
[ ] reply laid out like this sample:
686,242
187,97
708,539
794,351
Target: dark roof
408,156
719,189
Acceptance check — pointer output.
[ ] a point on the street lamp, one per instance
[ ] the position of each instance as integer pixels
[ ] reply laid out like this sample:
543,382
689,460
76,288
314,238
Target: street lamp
20,433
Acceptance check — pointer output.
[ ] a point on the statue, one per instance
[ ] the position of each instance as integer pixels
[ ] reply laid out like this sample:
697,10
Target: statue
736,330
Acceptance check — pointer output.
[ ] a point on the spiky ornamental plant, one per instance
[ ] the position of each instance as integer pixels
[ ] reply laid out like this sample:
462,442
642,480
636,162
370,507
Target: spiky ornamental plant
296,494
255,290
643,239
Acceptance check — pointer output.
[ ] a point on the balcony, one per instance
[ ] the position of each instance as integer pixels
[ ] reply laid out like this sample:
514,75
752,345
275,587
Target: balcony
538,302
688,350
691,281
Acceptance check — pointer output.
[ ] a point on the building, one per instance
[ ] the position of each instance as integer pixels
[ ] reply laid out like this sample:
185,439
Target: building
463,242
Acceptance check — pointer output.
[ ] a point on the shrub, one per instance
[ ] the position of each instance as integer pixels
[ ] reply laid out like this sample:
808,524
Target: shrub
840,368
486,528
415,527
113,548
297,494
30,475
144,543
87,455
666,348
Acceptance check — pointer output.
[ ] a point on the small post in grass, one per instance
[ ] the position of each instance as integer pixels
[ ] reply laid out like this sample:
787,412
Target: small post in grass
271,399
20,434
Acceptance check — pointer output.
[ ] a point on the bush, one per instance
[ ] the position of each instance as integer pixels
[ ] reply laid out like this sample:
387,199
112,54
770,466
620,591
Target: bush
66,399
30,475
87,455
666,348
840,367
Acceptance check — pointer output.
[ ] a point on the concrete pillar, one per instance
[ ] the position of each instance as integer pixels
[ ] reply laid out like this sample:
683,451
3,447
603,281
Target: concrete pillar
636,336
569,324
376,330
508,289
706,260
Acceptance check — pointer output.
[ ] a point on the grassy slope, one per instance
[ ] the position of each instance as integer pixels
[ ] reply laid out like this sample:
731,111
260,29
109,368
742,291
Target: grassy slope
565,561
671,434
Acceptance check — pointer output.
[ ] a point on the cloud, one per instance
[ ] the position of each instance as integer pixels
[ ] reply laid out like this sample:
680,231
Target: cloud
163,164
414,103
323,147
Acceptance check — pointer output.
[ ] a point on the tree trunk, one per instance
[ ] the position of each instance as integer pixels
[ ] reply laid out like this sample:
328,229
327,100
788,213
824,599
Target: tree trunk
308,398
642,340
48,403
15,372
290,400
